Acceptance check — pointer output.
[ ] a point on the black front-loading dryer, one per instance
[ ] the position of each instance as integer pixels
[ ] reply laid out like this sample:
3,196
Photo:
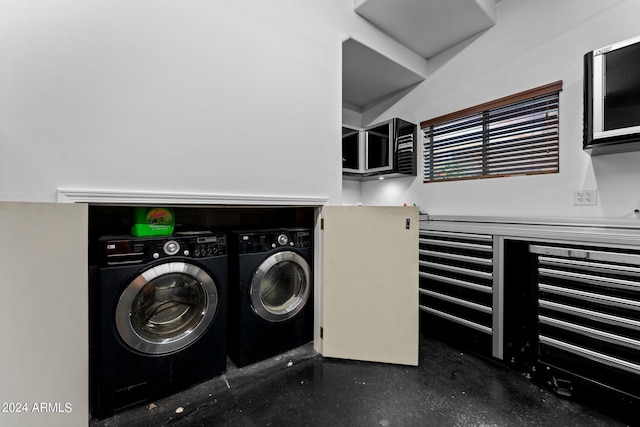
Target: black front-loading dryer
270,293
157,317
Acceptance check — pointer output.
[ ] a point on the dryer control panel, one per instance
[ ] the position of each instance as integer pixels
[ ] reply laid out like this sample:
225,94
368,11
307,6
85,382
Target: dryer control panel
302,238
264,241
256,242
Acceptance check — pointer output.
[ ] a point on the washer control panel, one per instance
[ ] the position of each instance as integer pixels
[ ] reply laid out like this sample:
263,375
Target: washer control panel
210,246
127,250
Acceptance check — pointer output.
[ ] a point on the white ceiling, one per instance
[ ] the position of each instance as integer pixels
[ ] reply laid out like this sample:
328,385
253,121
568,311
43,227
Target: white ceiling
426,27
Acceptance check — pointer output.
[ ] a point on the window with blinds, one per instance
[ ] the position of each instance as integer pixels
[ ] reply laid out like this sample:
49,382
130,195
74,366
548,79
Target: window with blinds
514,135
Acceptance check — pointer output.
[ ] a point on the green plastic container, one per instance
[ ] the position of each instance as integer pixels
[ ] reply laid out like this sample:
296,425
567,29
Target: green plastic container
153,222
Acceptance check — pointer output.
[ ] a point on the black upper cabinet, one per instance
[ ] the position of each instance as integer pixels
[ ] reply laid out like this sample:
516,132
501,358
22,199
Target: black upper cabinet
384,149
351,150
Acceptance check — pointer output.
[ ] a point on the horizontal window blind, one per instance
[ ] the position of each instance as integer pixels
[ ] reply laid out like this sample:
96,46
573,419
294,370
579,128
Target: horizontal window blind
504,138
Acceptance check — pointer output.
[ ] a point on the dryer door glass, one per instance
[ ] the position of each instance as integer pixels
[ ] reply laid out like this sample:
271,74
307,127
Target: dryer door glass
280,287
166,308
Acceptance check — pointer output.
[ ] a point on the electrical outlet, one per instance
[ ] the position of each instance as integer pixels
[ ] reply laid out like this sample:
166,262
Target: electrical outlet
585,197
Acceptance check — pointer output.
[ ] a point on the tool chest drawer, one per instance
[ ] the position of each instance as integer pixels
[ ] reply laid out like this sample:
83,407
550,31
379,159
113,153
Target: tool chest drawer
589,313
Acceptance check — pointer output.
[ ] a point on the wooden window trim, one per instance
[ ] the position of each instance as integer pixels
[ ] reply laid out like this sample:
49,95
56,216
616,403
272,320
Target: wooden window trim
504,175
511,99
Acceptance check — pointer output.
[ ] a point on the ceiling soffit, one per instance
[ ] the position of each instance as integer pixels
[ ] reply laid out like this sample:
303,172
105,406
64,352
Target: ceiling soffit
426,27
368,76
429,27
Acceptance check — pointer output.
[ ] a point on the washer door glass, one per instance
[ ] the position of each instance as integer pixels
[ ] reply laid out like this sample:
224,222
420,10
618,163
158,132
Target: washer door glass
280,287
166,308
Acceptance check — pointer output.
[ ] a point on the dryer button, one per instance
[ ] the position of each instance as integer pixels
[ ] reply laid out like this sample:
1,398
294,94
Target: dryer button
283,239
155,255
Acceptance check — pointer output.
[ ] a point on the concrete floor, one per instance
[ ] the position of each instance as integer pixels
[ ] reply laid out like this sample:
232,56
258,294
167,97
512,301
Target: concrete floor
301,388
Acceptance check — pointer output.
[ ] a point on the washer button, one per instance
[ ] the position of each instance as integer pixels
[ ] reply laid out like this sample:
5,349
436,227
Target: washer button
171,247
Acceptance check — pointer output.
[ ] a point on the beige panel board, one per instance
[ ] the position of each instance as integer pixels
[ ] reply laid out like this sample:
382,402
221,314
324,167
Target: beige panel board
370,284
44,372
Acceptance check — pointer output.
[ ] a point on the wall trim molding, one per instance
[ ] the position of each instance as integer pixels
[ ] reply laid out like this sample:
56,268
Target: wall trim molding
128,197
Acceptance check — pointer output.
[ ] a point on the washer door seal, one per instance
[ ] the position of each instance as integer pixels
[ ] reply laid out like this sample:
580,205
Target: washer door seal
280,286
166,308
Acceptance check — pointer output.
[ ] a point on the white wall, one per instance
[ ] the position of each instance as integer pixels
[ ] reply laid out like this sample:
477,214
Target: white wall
350,188
225,98
533,43
240,97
